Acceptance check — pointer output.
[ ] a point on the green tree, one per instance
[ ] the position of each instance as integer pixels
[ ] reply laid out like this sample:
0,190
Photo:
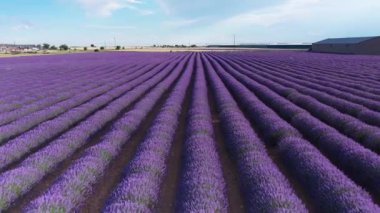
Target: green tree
53,48
45,46
118,47
101,48
85,48
64,47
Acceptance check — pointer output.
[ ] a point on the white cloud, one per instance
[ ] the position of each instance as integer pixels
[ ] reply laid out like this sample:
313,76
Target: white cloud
302,10
24,25
181,22
143,12
289,10
106,7
110,27
164,6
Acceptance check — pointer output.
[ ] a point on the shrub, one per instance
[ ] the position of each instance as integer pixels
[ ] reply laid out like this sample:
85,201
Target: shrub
64,47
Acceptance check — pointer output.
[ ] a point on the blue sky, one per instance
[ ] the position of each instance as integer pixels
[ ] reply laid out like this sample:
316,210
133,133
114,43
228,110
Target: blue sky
147,22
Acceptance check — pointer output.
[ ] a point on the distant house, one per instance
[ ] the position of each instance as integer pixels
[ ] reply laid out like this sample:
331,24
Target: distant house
358,45
13,48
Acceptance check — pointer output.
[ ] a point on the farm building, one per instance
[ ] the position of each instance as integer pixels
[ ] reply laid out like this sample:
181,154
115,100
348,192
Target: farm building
6,48
358,45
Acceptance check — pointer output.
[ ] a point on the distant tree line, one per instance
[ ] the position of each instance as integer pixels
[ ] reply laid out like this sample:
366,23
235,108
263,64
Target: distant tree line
47,46
65,47
174,46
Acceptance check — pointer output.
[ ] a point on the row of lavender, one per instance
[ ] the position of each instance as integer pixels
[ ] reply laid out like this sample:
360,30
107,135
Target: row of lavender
21,120
326,142
26,79
349,66
353,120
359,163
39,128
36,83
318,171
12,100
323,182
79,178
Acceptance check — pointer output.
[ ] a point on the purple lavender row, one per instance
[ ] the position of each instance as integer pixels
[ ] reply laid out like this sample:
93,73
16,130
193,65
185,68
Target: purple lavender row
44,161
351,86
71,91
265,188
139,189
307,165
324,85
23,124
18,147
368,136
344,84
43,80
9,86
291,64
359,111
29,96
361,164
44,86
313,89
357,77
65,69
51,93
71,187
202,187
34,99
344,101
357,86
341,72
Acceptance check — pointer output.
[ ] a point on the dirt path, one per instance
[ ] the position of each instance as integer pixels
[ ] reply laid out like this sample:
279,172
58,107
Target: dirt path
298,189
167,197
230,173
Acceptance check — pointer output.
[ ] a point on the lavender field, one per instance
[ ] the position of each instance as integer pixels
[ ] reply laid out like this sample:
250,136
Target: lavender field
265,131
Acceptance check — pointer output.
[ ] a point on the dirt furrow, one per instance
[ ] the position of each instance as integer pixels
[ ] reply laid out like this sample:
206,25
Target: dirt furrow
230,173
167,197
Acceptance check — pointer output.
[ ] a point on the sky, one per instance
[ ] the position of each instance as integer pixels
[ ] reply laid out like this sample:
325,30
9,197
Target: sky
201,22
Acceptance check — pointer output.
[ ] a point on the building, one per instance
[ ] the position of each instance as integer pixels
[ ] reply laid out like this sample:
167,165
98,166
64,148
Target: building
359,45
11,48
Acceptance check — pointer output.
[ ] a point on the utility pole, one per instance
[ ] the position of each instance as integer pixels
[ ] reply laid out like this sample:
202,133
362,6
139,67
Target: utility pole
234,40
114,41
